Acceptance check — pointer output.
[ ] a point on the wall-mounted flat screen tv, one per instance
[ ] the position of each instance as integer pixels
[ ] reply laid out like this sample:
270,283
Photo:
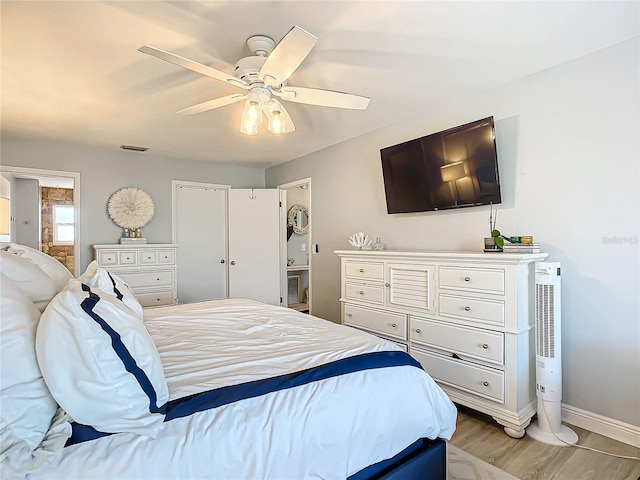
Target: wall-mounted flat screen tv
454,168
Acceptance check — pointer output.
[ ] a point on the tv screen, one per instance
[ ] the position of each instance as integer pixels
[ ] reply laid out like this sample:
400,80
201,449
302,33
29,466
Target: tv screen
454,168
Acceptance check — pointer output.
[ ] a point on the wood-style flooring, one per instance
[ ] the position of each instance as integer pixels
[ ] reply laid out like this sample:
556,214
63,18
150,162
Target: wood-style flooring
528,459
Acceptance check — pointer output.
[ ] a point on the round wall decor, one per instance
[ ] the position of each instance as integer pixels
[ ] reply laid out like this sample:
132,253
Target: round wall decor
130,208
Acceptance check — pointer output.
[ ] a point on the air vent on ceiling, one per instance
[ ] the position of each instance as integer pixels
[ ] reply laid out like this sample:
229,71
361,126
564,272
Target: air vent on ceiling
134,148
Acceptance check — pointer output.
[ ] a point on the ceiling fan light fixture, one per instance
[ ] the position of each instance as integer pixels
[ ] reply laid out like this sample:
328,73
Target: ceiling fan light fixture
251,117
277,124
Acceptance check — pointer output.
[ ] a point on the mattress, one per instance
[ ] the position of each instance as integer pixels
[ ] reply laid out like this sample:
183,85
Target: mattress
259,391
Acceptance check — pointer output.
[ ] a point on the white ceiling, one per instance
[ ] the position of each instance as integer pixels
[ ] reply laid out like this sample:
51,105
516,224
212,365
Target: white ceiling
71,70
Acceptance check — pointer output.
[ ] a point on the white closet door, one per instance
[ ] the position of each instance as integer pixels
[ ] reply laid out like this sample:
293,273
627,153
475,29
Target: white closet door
200,230
254,244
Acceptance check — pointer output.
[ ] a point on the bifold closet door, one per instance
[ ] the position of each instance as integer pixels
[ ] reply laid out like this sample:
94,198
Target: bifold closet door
201,234
254,244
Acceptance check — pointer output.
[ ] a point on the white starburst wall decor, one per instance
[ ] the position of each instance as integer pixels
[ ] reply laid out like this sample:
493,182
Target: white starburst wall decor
130,208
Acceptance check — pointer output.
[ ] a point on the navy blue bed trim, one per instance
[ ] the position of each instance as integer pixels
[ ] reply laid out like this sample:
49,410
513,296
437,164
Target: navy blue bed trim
118,293
129,362
182,407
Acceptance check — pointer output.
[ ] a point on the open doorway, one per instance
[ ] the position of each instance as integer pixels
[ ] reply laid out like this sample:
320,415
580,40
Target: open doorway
297,246
42,212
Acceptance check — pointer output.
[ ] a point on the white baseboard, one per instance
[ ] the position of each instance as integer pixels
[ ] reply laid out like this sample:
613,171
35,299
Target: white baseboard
620,431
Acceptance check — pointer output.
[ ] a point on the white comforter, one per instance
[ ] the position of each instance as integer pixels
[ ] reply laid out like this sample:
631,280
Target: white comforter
331,428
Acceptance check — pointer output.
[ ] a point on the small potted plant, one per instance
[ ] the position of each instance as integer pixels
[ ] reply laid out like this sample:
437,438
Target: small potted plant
495,242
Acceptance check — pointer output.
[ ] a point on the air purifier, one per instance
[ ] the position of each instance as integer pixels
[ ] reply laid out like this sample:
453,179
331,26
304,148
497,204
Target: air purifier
548,427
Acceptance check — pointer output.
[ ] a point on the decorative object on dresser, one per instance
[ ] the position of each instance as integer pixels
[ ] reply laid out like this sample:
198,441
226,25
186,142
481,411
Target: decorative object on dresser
361,241
467,317
131,209
150,270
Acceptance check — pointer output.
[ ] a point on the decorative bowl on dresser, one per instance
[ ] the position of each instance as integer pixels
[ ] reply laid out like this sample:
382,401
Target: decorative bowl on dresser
149,269
467,317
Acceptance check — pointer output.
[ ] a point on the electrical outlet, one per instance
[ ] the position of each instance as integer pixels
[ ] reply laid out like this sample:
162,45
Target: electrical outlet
303,247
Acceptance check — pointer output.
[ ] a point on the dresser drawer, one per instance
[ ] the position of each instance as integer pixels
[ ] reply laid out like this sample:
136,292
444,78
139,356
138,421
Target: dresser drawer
472,279
364,270
369,293
166,257
128,258
148,279
149,256
476,309
466,341
463,375
117,258
155,299
386,323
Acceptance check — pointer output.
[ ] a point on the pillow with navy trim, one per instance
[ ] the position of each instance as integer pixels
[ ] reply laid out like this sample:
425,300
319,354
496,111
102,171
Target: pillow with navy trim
100,363
98,278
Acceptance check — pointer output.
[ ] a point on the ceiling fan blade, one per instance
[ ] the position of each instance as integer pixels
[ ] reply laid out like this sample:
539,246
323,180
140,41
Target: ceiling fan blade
324,98
287,56
215,103
193,66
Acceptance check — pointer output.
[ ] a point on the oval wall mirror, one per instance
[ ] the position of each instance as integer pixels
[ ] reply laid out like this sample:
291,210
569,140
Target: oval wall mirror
299,219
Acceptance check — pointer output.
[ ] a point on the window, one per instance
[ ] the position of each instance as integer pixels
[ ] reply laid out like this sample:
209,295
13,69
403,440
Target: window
63,224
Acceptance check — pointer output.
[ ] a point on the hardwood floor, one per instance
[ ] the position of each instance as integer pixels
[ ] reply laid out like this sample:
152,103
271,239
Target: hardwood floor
528,459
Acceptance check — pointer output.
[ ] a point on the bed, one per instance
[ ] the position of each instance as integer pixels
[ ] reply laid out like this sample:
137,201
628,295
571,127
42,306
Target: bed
231,389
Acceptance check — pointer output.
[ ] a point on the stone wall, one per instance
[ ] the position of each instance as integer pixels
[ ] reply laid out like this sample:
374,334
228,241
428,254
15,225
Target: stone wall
50,197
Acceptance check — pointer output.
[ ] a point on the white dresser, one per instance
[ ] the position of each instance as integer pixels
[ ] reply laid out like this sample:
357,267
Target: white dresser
467,317
149,269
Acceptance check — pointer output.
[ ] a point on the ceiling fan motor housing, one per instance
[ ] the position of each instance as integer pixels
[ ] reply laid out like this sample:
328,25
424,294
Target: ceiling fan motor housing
248,68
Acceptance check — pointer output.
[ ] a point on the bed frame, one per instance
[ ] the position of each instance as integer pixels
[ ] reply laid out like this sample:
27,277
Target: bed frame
422,460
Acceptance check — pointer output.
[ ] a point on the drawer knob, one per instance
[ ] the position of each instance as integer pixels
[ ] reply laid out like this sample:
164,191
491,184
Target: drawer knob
362,270
418,330
361,292
485,383
349,315
157,279
394,325
485,346
467,309
467,279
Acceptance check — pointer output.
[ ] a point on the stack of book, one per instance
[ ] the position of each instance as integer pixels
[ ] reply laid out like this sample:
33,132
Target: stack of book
126,240
521,247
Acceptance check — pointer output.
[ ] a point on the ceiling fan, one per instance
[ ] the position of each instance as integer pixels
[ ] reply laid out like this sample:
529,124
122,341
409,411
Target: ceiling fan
264,76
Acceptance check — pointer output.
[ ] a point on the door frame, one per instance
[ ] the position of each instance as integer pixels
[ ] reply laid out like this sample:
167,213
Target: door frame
283,229
35,173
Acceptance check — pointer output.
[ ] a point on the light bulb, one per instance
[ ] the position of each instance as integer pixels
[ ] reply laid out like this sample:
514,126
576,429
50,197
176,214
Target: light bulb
248,126
276,122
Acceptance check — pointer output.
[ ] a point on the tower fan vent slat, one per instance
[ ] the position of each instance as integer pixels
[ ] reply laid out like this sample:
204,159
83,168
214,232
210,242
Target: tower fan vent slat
545,339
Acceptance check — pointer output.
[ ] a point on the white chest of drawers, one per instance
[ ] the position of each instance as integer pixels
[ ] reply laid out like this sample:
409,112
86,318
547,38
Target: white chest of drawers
149,269
467,317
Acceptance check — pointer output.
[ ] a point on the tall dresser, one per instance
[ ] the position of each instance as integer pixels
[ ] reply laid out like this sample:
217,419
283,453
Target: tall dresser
149,269
467,317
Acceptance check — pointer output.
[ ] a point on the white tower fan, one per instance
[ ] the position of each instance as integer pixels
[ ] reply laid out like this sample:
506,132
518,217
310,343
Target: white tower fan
548,427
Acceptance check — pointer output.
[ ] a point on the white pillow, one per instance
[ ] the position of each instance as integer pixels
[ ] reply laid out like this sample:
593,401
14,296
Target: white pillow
100,363
27,406
49,265
99,278
29,278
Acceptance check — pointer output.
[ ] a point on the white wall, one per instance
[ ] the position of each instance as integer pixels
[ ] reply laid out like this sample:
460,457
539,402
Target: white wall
104,171
568,153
